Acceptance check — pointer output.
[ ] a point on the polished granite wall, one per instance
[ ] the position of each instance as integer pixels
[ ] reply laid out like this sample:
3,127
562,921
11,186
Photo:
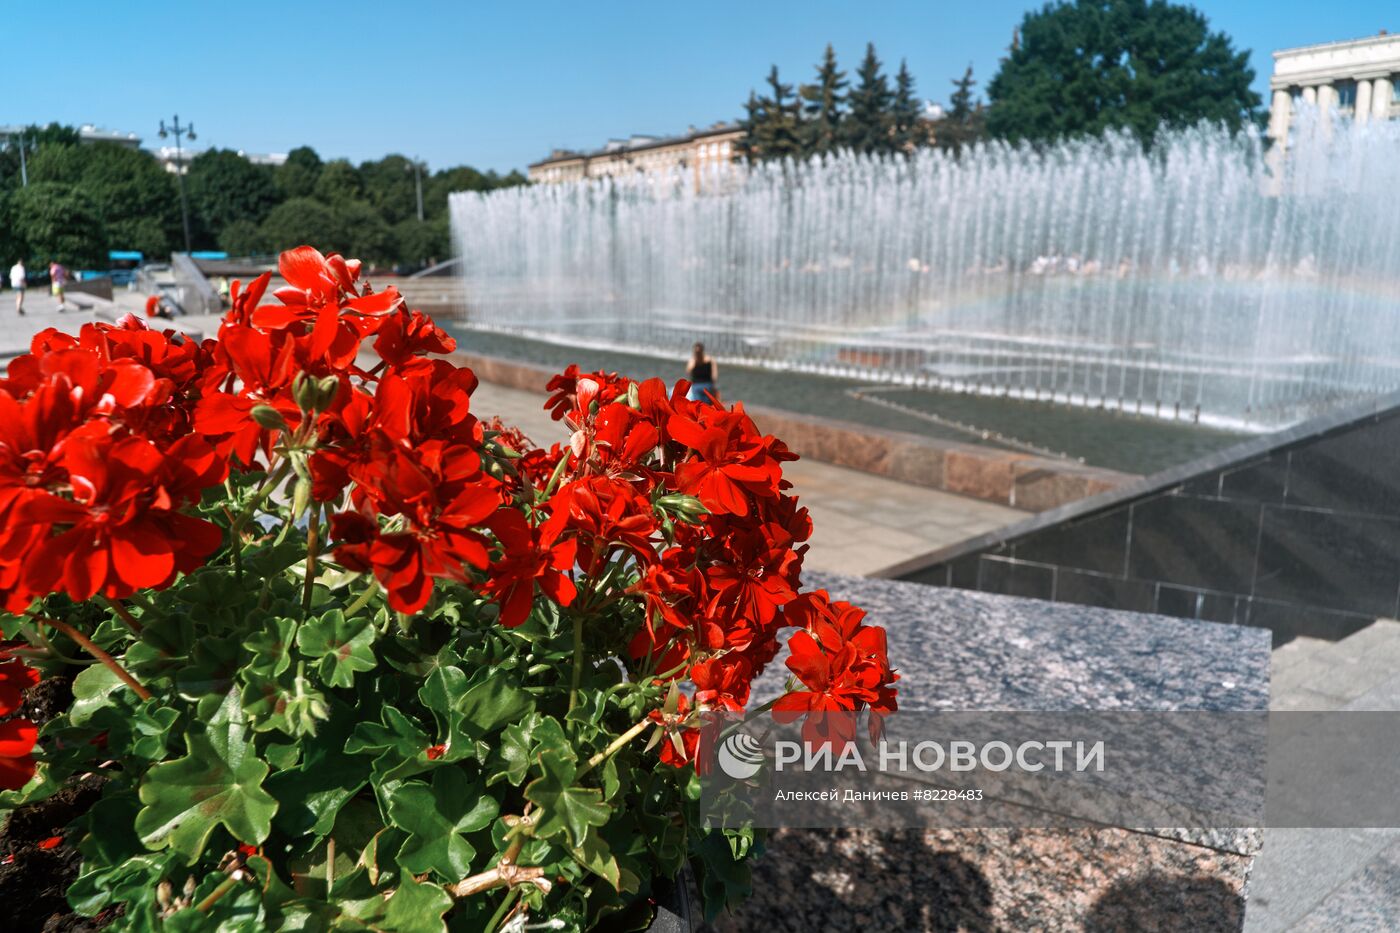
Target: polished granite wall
1297,532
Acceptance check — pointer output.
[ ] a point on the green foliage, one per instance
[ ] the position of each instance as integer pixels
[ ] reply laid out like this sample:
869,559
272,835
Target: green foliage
365,763
1089,65
390,187
422,243
822,107
243,238
775,126
904,111
966,120
869,127
296,178
339,182
135,197
300,220
129,201
223,188
53,220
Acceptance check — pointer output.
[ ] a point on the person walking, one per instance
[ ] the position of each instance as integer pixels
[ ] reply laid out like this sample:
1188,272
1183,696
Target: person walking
703,374
18,280
58,279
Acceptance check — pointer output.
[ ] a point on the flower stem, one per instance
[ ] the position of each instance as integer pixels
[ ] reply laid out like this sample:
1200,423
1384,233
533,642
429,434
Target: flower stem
313,544
110,662
614,747
494,923
363,599
122,613
578,661
224,887
259,497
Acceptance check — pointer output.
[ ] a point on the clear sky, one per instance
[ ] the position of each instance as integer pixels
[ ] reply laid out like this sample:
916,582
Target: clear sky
497,85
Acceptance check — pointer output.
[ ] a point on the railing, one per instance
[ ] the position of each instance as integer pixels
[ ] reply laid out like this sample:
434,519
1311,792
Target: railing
192,293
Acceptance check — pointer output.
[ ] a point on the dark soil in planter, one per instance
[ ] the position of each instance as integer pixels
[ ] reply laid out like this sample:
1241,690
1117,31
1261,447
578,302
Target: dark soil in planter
33,877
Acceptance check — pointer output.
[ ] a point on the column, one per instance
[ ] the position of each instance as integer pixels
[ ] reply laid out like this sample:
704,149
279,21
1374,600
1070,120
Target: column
1381,91
1279,114
1326,98
1310,96
1363,101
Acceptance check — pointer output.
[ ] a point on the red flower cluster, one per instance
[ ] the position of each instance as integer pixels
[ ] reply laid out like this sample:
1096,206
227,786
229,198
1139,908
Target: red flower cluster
721,581
17,736
97,460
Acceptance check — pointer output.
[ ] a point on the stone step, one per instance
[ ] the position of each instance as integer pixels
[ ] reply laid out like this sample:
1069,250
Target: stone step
1335,674
1290,653
1368,900
1298,869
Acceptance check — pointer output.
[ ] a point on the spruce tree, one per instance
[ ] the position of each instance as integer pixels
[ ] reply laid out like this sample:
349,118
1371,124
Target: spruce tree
904,111
965,121
822,107
868,123
780,129
960,104
747,146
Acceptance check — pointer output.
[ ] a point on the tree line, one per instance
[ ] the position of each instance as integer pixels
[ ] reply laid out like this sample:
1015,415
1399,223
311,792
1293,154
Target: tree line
84,199
1074,67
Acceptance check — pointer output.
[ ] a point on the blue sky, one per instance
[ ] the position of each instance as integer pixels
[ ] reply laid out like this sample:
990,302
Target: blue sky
498,85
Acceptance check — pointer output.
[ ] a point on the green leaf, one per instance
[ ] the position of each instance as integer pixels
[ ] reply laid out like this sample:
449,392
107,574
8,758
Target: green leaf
401,747
564,808
218,782
413,908
271,647
595,855
92,691
343,646
437,817
493,703
311,794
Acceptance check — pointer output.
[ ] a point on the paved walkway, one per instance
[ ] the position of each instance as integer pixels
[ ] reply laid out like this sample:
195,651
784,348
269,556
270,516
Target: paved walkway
1330,879
40,312
863,522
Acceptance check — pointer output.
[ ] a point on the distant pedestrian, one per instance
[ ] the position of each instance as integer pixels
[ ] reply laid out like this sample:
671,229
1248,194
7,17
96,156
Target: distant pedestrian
703,374
19,278
58,279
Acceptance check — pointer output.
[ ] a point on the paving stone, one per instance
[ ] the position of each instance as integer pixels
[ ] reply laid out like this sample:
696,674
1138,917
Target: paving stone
1292,652
1299,869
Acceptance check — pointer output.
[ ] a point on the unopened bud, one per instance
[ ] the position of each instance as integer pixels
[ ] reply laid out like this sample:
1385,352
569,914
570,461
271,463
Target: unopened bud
268,417
326,392
686,508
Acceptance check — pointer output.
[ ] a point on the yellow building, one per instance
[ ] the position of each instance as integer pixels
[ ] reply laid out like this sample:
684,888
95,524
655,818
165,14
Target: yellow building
698,151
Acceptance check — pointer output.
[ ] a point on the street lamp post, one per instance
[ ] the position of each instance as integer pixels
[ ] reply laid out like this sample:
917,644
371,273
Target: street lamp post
188,132
23,169
418,184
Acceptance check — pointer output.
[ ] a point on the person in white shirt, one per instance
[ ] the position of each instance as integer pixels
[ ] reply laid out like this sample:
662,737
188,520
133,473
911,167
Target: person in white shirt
18,280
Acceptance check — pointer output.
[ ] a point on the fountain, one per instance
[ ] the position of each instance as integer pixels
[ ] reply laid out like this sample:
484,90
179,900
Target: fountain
1206,279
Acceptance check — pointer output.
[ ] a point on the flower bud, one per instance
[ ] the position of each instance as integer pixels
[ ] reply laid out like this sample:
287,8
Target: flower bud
686,508
268,417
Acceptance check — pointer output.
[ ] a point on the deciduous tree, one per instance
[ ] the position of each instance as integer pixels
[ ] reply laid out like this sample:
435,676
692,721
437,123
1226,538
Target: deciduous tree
1088,65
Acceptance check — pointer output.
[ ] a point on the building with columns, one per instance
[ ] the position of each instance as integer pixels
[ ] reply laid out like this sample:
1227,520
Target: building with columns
1357,77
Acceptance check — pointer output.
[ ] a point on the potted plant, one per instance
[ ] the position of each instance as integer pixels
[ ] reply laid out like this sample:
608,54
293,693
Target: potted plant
344,657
